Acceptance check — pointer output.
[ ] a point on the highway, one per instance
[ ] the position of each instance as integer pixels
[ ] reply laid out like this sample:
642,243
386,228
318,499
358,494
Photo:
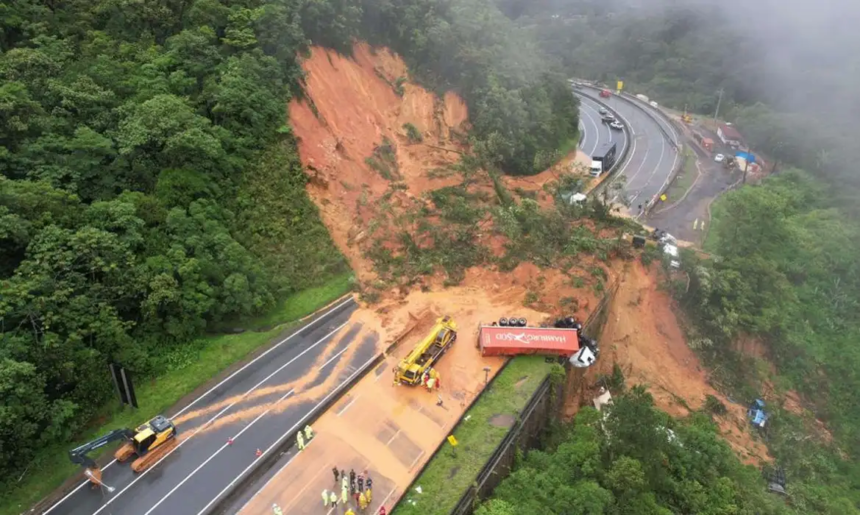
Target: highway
221,431
652,155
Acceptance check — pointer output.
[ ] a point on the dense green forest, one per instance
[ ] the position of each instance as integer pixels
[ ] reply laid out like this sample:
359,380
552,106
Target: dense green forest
791,92
633,459
151,189
788,274
520,106
787,271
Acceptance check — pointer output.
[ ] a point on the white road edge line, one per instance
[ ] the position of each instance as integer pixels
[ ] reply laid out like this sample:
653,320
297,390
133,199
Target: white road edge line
223,446
341,412
186,408
278,441
154,465
388,496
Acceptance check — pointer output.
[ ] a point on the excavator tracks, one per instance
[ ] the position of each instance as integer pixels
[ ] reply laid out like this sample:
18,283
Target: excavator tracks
152,457
125,452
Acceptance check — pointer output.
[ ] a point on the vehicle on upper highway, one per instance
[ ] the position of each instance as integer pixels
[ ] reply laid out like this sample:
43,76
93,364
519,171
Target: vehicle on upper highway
616,125
605,93
719,158
603,110
607,118
603,159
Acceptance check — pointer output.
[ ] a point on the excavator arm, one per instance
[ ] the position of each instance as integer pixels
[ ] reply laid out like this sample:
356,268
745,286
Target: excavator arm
79,455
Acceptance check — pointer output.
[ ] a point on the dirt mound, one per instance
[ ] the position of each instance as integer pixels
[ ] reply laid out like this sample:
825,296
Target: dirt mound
644,337
354,106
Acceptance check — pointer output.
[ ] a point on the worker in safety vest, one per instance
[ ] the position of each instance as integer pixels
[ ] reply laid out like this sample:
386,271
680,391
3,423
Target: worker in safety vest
277,510
344,483
309,433
369,495
349,512
362,501
333,498
344,495
325,498
300,441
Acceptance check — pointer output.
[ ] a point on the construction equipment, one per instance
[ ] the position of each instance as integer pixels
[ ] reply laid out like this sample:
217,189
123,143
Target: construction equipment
149,442
427,352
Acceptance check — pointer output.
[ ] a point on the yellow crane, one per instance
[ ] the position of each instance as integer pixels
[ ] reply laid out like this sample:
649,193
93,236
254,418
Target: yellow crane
427,352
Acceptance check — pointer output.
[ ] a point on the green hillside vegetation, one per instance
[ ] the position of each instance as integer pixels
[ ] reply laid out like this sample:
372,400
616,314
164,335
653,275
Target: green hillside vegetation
788,274
151,191
636,460
681,54
785,269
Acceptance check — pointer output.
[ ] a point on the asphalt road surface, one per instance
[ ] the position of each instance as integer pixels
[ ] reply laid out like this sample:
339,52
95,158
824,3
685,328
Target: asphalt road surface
254,407
594,131
686,219
652,155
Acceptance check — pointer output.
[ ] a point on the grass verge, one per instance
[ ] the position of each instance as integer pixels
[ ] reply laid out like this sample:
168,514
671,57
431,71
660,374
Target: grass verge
453,469
685,179
51,468
711,243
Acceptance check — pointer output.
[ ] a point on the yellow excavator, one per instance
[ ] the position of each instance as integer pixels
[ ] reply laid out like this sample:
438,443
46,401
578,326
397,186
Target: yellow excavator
427,352
149,442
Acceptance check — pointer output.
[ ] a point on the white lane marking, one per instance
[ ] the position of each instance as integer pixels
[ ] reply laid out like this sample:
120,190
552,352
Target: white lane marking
334,357
393,437
278,441
195,401
656,167
388,496
596,129
595,110
154,465
413,461
341,412
216,453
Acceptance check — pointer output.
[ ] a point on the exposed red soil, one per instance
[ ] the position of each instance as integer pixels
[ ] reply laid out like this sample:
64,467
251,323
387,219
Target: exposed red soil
352,105
644,337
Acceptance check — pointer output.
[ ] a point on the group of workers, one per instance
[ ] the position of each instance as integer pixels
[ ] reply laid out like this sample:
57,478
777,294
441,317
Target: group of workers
357,486
431,379
300,439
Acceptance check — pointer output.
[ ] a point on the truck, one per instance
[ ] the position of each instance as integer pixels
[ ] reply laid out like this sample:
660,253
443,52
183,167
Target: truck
428,351
498,340
603,159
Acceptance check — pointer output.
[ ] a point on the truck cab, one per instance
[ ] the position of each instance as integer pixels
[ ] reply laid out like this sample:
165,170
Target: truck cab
596,168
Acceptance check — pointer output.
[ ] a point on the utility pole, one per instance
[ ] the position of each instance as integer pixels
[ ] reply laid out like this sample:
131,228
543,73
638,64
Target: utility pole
717,112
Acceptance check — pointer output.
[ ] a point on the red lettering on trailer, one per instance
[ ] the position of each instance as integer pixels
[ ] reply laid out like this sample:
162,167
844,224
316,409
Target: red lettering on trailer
509,341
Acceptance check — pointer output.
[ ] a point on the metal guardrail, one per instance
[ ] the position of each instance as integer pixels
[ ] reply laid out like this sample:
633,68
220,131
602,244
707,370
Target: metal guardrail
482,486
444,441
658,116
625,157
466,503
225,504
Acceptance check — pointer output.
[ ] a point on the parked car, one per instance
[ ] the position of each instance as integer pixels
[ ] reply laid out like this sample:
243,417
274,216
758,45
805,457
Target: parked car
719,158
616,125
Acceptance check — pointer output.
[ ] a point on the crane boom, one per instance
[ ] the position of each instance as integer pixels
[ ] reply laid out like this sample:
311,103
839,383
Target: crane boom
427,352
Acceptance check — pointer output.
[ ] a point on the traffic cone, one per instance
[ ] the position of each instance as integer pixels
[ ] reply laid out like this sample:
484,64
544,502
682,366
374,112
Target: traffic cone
229,441
259,453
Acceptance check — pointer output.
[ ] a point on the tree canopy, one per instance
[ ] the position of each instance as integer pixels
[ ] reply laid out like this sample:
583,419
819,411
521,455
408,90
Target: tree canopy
634,459
151,188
